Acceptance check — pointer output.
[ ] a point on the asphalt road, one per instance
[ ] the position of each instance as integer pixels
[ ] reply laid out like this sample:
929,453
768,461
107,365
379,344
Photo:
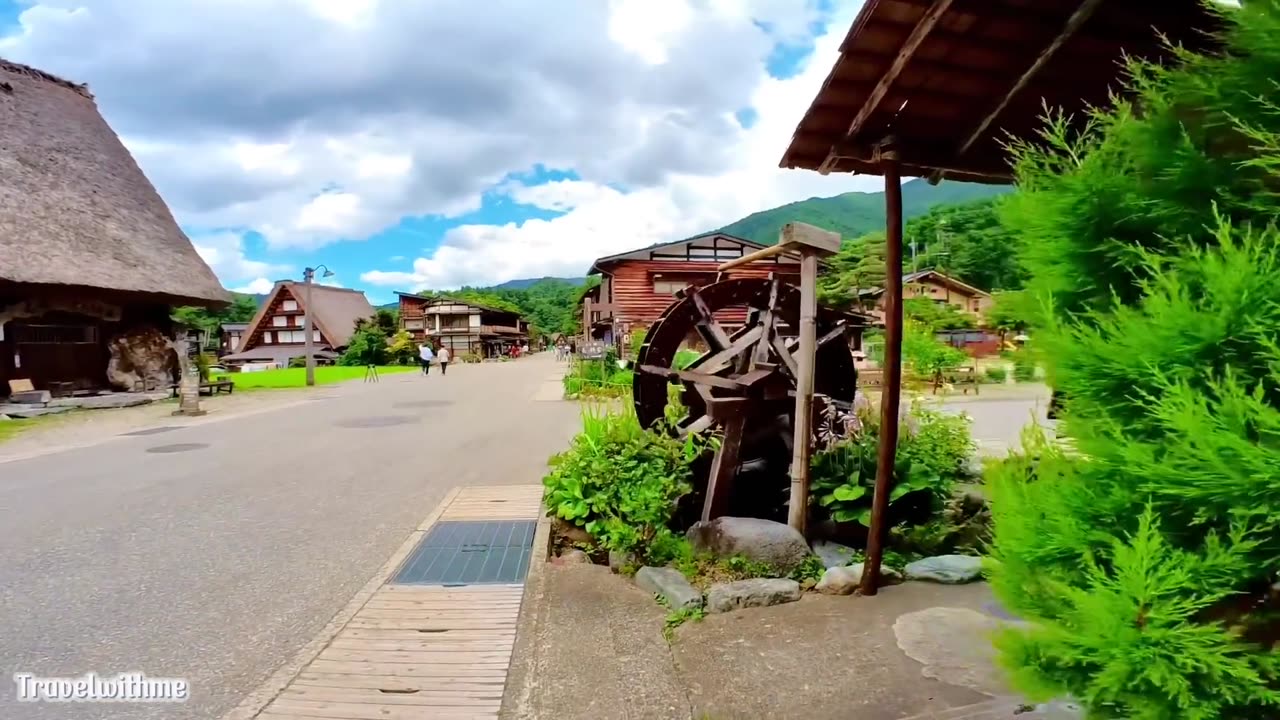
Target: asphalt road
214,552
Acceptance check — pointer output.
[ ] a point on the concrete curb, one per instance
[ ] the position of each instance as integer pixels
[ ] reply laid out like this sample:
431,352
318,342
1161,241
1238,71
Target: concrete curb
522,672
254,703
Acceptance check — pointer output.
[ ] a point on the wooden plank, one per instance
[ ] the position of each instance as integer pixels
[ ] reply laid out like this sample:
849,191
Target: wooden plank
357,711
721,360
723,468
715,335
376,682
1081,14
798,505
372,696
762,254
784,354
872,103
404,670
376,655
798,234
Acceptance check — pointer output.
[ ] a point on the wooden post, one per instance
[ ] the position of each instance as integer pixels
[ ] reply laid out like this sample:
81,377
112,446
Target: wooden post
798,507
892,384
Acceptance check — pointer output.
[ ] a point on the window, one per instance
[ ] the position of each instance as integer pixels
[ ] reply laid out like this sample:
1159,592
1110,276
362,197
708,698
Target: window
412,324
455,322
669,287
279,321
289,305
296,336
268,338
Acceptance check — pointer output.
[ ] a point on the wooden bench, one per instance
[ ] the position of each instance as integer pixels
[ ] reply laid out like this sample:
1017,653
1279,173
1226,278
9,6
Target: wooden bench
216,386
959,377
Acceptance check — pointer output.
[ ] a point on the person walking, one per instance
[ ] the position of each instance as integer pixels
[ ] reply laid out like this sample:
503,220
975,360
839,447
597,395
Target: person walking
443,358
425,356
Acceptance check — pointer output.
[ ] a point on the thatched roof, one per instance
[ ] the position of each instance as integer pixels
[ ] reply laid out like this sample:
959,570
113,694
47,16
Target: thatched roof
334,312
75,209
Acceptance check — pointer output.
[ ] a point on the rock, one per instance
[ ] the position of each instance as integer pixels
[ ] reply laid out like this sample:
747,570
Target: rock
574,556
833,554
844,580
671,585
839,580
778,545
31,397
35,412
103,402
572,534
141,358
947,569
975,467
619,560
757,592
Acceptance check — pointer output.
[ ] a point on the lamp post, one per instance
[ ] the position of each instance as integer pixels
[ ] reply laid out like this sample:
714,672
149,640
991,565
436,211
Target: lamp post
308,275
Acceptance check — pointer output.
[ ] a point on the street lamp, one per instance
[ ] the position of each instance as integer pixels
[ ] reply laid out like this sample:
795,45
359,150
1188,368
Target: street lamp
307,276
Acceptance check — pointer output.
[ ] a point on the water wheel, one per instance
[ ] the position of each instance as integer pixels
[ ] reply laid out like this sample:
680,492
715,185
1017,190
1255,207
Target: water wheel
743,386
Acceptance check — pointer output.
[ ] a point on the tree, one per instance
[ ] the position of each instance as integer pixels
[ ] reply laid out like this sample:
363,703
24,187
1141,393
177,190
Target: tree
937,316
242,309
1147,560
402,350
968,242
368,346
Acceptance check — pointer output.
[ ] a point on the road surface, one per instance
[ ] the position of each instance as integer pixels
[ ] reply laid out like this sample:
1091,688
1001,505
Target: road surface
214,552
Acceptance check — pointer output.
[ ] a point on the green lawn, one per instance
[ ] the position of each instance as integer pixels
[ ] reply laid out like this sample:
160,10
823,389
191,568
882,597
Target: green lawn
10,428
296,377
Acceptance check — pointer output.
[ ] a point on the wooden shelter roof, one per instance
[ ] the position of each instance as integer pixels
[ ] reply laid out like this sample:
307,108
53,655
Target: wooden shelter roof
949,80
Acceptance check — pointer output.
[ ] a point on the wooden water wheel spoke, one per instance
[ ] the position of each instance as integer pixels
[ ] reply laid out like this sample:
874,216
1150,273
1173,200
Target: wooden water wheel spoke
742,388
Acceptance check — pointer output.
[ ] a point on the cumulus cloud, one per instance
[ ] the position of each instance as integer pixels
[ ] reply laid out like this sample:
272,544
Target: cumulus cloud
224,252
321,121
259,286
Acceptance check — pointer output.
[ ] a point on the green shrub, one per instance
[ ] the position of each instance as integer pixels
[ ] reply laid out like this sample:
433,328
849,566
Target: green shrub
933,451
298,362
997,374
620,482
367,346
202,362
1024,365
1147,563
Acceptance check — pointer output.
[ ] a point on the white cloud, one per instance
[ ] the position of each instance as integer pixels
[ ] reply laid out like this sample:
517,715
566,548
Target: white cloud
602,221
320,121
224,252
260,286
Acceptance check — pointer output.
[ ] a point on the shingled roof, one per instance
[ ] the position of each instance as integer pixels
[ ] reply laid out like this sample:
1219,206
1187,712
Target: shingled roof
75,209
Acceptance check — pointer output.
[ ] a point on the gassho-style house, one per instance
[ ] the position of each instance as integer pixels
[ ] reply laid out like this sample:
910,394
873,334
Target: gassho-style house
91,260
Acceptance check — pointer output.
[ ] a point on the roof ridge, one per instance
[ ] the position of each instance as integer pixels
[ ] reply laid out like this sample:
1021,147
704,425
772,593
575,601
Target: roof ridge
19,69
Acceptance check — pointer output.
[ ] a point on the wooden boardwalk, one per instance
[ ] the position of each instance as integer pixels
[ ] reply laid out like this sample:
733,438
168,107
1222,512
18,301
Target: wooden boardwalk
415,651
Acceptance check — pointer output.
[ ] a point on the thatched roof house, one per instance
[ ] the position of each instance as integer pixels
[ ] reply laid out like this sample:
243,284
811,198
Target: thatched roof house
75,209
90,257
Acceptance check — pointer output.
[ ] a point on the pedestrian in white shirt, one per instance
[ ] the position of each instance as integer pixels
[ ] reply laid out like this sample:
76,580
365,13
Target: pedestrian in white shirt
425,356
443,359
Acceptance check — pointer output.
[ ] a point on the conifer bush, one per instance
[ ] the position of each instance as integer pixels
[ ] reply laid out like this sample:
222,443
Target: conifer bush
1147,562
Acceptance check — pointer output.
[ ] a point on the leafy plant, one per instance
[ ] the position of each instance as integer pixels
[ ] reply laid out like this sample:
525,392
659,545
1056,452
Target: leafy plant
997,374
676,618
402,350
619,481
933,449
367,346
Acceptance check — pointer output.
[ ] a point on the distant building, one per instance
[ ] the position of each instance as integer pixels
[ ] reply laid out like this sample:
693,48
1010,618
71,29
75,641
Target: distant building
463,326
939,288
275,334
91,260
636,287
229,336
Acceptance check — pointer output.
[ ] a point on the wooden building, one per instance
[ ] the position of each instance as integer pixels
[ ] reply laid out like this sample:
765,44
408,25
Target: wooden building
637,286
91,260
275,334
229,337
935,286
465,327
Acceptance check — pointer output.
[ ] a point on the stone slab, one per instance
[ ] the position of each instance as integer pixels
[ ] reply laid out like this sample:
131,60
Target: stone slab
102,402
29,411
669,584
753,593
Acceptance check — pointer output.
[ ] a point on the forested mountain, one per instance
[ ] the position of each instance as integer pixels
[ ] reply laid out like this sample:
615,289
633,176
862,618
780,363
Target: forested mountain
857,213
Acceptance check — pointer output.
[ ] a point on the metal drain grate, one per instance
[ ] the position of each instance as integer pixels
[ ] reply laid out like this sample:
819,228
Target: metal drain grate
470,553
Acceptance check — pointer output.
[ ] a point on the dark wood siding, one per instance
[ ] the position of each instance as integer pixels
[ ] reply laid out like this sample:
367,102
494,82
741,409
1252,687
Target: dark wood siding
639,305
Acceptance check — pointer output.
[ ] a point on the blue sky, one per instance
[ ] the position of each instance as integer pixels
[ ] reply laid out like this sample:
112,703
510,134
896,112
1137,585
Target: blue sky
432,162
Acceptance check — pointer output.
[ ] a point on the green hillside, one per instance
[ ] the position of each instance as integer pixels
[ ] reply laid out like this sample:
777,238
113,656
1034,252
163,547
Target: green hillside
857,213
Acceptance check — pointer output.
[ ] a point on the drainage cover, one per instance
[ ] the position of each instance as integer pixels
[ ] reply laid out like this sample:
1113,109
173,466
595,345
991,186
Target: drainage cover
470,553
176,447
376,422
153,431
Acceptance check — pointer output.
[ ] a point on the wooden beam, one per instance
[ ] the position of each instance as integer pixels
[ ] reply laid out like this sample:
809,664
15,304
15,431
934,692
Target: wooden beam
913,41
762,254
1077,19
724,466
892,386
798,505
797,235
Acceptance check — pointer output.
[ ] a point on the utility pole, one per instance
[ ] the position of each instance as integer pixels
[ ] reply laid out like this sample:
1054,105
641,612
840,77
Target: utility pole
308,275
